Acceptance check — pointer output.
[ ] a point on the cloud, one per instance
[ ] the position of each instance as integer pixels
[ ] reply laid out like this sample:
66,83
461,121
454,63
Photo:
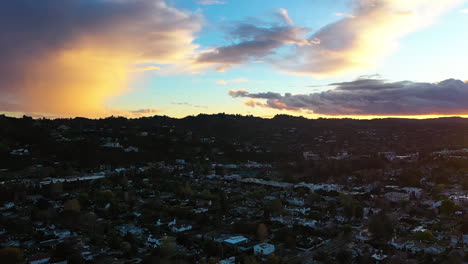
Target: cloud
239,93
358,40
339,14
226,82
146,111
147,68
141,112
253,42
284,16
371,97
210,2
464,11
188,104
66,58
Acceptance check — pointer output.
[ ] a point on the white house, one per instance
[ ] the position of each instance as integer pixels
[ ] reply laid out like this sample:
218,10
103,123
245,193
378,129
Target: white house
417,192
264,249
231,260
153,242
181,228
131,149
112,145
310,156
397,196
235,240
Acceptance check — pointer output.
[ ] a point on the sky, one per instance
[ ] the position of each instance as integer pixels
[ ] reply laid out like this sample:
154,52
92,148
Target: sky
312,58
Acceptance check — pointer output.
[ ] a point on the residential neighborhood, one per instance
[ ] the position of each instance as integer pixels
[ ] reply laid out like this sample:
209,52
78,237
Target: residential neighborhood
178,191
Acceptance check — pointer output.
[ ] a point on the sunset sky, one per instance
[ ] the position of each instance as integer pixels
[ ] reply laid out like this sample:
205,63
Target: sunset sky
353,58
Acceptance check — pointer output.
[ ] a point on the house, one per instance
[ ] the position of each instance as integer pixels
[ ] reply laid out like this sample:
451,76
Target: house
413,192
61,233
131,149
379,256
310,156
235,240
180,228
231,260
398,243
387,155
40,258
397,196
264,249
20,152
465,239
153,242
112,145
7,206
364,235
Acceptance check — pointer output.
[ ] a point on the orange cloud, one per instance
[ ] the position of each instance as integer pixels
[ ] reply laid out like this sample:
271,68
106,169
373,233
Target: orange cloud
72,63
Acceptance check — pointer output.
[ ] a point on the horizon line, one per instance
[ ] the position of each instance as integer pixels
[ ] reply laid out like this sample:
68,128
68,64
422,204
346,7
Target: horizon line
362,117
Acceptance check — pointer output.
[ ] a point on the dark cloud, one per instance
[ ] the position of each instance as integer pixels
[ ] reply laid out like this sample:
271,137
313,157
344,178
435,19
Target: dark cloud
254,42
372,97
244,93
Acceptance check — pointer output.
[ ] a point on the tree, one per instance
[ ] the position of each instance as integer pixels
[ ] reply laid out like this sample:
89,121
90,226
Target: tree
344,257
464,227
359,212
381,226
448,207
104,197
186,190
262,232
348,204
168,247
442,174
72,205
273,259
464,183
425,236
438,189
250,260
56,188
411,177
275,206
11,255
211,260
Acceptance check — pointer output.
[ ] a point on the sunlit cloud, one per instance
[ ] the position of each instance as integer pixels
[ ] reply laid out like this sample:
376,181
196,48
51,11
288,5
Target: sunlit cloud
147,68
66,58
339,14
284,16
357,41
141,112
233,81
189,105
360,39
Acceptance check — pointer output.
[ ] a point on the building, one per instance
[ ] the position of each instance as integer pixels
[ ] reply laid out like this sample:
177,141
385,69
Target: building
311,156
236,240
264,249
397,196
